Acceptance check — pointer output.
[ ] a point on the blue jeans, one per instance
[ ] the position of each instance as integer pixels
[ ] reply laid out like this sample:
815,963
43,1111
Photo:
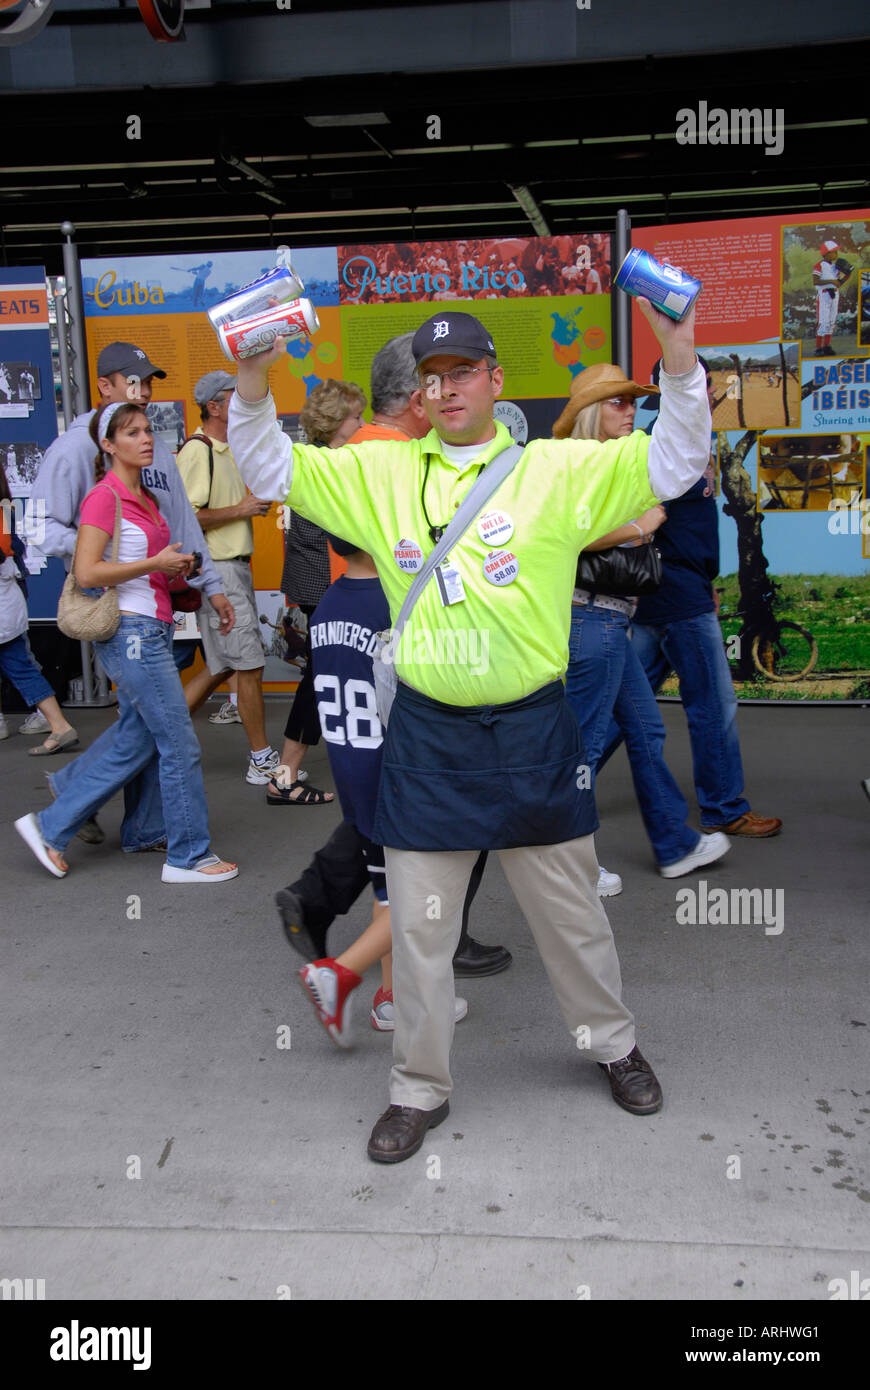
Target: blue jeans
21,669
143,825
154,730
693,648
605,683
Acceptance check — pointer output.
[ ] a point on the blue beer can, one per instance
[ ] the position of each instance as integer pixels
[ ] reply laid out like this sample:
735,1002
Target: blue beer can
275,286
669,289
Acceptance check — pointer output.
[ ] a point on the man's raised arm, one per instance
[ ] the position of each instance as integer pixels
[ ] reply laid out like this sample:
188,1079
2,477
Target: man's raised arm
261,449
679,448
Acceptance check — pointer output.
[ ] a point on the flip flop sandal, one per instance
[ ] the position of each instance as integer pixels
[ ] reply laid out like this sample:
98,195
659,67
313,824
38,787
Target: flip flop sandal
309,796
59,743
173,875
28,829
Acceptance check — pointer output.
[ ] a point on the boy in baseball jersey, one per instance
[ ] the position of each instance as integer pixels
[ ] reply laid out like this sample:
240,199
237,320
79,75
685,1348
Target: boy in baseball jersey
343,632
829,274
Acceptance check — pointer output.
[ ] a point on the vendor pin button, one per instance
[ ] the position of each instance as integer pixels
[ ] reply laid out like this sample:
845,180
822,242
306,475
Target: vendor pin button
408,556
495,527
501,567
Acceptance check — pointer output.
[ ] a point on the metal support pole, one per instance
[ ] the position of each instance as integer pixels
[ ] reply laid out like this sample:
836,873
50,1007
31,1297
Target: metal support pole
620,302
62,325
74,390
76,312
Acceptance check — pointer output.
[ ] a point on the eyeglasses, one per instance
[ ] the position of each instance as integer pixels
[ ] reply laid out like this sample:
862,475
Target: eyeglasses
460,376
621,402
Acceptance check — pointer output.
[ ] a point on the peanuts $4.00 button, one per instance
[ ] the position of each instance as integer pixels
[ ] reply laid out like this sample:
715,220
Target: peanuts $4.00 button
501,567
408,556
495,528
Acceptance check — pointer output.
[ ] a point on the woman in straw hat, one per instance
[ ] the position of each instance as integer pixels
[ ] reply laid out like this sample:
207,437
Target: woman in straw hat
605,678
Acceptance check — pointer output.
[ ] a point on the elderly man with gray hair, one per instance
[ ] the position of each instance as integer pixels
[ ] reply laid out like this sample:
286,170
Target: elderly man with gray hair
338,873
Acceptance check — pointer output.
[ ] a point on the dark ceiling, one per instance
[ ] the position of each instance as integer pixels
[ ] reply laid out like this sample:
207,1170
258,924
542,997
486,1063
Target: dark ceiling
586,139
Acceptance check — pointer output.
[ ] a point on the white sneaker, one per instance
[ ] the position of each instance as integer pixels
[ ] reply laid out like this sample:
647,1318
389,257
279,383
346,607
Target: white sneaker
708,849
4,727
260,773
227,714
608,884
35,723
383,1015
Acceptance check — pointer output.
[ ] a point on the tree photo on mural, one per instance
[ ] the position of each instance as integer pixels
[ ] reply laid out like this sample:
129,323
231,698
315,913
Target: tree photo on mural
807,632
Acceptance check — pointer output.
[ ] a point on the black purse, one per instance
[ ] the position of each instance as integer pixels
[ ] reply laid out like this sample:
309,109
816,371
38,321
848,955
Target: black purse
623,570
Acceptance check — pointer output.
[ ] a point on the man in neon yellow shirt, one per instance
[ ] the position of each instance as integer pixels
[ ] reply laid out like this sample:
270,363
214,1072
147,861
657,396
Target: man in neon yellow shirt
482,751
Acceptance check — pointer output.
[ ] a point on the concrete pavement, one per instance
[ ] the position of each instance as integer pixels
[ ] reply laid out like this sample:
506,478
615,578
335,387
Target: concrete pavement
155,1038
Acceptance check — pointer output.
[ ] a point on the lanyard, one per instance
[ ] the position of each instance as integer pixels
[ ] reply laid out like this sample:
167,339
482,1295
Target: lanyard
436,532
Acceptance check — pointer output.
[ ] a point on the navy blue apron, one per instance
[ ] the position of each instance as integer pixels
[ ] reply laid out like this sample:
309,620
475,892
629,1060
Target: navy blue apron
483,776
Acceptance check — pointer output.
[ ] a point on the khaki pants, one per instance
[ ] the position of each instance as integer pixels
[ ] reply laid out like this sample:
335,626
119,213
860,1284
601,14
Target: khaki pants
557,888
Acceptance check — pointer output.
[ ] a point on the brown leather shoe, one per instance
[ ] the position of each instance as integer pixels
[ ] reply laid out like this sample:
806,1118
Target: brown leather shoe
400,1131
760,827
634,1084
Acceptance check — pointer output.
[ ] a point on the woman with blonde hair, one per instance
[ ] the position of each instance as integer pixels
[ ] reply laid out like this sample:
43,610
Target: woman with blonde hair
605,677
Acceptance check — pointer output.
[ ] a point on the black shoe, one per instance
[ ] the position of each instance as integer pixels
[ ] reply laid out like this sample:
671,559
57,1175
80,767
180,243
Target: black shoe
310,942
472,959
633,1083
400,1131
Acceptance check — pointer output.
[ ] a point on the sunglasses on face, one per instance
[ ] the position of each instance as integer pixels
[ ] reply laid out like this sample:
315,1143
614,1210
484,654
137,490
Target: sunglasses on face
621,402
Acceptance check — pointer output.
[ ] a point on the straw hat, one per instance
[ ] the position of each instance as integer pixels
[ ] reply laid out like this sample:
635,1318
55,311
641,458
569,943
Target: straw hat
597,383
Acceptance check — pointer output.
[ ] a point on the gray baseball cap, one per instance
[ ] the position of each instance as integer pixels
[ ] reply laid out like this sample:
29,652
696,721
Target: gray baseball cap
210,386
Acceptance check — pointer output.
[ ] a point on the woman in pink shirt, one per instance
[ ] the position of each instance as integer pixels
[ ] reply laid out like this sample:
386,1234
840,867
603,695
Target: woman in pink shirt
154,721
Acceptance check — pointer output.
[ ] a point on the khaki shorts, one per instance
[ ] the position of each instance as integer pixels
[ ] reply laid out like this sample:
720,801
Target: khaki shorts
241,649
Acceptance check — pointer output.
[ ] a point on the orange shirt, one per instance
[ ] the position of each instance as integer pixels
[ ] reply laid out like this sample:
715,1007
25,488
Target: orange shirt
337,563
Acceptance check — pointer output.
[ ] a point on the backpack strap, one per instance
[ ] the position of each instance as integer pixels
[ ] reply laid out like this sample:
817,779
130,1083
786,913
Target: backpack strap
204,439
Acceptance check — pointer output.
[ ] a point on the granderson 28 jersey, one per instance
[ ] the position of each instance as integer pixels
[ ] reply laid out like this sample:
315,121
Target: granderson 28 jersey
342,629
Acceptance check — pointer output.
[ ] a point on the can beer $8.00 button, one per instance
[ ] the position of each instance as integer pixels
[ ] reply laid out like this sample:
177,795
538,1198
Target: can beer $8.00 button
501,567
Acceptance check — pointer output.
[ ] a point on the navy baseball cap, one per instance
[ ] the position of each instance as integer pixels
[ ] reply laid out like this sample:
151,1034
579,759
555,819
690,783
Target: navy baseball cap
460,335
126,358
341,547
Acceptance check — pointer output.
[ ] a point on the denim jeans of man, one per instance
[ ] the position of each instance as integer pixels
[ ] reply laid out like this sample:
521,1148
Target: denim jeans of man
693,648
154,726
606,683
143,826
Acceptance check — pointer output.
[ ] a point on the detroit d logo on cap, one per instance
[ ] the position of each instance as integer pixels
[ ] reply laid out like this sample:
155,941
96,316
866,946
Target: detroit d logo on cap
441,329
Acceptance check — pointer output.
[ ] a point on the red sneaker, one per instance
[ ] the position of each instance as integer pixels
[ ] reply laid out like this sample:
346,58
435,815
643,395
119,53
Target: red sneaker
329,986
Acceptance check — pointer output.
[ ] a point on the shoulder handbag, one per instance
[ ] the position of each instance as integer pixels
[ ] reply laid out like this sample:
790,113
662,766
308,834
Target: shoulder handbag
78,614
183,597
623,570
387,643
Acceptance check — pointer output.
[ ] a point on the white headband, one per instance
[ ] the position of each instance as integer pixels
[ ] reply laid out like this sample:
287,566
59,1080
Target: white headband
107,416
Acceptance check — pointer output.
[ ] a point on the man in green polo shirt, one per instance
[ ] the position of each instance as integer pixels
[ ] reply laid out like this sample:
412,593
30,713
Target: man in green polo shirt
481,751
